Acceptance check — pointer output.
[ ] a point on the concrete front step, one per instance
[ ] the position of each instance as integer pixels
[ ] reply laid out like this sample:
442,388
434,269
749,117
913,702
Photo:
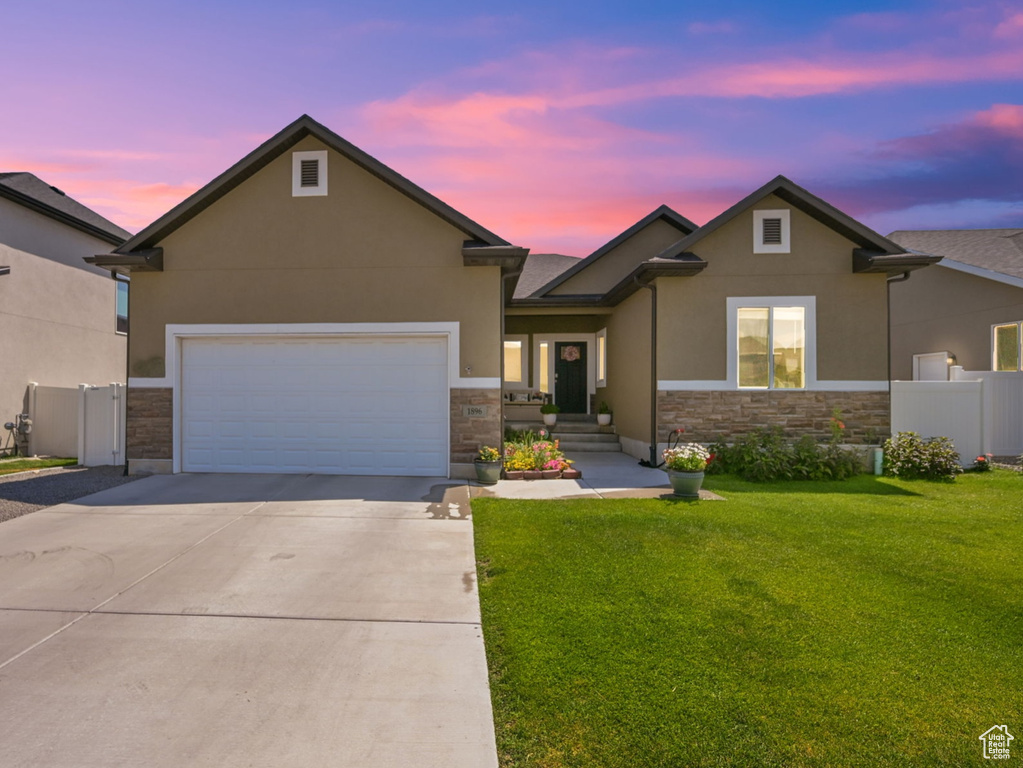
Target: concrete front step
573,427
569,448
585,437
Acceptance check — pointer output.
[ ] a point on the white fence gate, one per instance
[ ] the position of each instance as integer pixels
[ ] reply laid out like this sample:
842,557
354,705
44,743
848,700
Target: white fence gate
981,411
87,422
54,414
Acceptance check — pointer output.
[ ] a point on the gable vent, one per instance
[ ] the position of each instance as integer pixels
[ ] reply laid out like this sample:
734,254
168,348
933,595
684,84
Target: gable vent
772,232
311,174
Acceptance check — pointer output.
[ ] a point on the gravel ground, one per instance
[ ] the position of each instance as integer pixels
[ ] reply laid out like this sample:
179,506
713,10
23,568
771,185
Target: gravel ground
28,491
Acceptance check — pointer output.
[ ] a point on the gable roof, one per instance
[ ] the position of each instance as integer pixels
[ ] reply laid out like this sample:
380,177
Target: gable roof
995,250
29,190
663,213
540,269
274,148
875,253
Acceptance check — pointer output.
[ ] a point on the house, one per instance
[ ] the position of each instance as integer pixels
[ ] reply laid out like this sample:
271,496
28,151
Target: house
967,311
63,320
310,310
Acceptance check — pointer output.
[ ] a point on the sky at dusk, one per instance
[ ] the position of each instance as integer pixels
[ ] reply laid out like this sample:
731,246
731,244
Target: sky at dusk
554,124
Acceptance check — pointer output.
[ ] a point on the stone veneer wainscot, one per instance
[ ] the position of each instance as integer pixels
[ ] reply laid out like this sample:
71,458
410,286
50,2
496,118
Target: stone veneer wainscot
726,414
468,434
149,433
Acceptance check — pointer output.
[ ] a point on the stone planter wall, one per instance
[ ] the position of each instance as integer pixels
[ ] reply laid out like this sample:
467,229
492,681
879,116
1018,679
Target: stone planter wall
724,415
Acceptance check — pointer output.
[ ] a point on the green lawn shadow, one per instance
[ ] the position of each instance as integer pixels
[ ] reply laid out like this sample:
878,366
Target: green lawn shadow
868,485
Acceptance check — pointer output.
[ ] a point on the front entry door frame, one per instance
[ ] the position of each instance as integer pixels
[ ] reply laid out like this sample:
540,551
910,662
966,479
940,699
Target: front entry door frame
589,339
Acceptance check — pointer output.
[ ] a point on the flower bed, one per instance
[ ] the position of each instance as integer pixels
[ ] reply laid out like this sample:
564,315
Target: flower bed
535,456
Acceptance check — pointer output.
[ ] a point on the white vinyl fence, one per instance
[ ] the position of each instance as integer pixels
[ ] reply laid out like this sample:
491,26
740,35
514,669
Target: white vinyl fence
54,414
981,411
87,422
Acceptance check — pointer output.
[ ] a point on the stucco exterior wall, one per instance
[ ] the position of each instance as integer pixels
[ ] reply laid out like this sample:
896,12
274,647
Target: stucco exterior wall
628,367
32,232
58,326
851,308
363,253
940,309
607,271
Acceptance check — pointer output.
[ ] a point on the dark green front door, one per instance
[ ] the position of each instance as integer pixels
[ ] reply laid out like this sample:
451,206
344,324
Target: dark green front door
570,393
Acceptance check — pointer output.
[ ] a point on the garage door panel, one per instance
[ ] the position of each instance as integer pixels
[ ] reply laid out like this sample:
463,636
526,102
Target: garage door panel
344,405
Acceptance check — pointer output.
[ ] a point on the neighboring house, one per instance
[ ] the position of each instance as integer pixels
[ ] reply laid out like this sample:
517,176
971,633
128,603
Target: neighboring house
968,309
310,310
62,322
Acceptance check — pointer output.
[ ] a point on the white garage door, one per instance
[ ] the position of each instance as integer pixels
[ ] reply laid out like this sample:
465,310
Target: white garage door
356,406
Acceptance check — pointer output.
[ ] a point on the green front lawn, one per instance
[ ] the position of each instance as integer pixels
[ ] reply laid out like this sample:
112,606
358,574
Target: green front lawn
864,623
9,466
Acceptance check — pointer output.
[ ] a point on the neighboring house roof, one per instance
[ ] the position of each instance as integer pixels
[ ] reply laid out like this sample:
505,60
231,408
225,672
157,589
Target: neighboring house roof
875,253
664,213
993,253
540,269
32,192
274,148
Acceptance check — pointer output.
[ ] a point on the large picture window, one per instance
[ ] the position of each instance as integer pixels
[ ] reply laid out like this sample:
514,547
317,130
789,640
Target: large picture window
772,347
1006,347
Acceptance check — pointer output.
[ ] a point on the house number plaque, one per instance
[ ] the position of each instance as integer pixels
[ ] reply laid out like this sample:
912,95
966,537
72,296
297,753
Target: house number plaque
475,411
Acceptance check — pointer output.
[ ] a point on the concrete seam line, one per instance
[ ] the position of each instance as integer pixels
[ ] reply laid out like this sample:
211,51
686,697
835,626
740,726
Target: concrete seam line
139,580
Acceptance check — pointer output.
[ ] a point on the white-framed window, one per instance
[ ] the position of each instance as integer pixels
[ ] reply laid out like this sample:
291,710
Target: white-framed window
543,365
309,173
516,365
1007,347
602,357
772,342
121,307
771,231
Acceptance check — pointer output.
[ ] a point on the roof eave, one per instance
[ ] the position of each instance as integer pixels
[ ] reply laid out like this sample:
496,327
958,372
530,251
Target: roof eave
510,258
644,274
64,218
149,260
686,266
873,262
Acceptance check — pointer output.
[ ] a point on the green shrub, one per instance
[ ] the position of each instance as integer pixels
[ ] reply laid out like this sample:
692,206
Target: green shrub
909,456
764,455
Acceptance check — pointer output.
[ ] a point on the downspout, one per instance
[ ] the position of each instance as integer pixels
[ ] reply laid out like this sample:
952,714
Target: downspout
654,460
888,302
127,364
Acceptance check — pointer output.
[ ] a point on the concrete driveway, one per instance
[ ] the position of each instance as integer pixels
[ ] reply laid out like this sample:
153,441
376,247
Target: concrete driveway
256,620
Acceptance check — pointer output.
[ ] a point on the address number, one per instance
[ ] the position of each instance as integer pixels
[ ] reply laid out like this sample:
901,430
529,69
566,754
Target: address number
475,411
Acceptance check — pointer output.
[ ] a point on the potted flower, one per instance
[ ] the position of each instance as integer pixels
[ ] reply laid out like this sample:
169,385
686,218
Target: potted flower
685,465
488,465
604,414
550,413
